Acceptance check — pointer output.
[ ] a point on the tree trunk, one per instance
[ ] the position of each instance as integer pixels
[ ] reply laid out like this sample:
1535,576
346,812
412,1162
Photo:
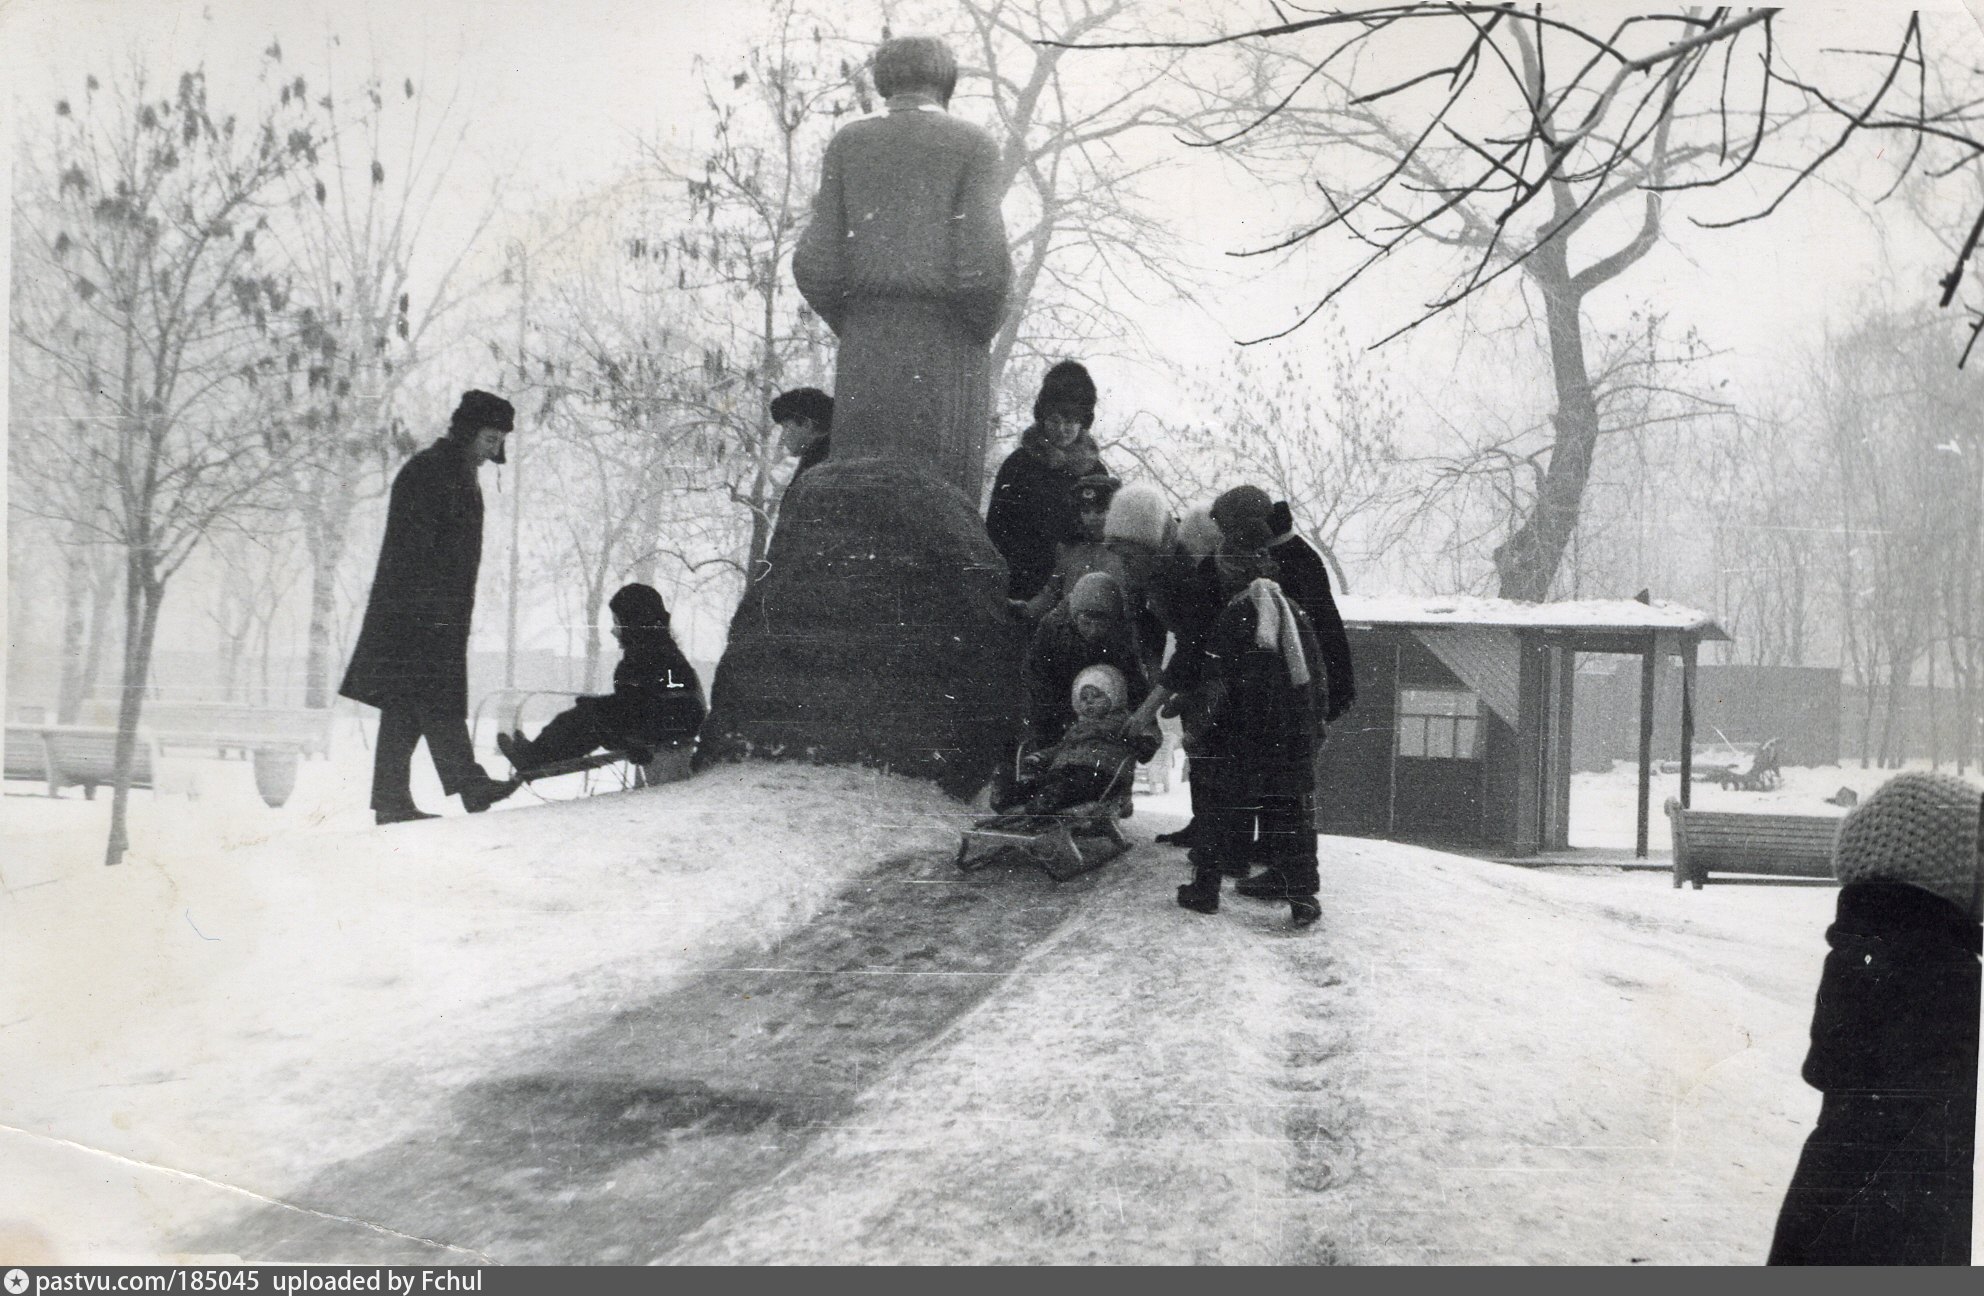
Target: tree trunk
595,596
142,597
103,593
75,584
326,530
1526,563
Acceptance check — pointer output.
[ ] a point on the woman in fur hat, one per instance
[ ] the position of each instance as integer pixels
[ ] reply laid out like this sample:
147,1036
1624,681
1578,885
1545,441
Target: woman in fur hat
1033,506
1885,1178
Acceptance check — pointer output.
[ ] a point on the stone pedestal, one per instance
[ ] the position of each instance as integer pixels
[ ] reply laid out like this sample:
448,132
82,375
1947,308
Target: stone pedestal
879,636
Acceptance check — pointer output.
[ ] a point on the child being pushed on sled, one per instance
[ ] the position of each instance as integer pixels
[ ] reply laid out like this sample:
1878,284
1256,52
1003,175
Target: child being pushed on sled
1082,766
656,702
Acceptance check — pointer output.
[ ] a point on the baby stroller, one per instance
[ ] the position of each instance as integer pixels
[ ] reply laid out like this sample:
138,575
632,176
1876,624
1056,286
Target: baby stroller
1063,843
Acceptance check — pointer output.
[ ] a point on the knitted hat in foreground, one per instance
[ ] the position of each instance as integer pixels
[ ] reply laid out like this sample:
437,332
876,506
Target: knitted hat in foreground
1109,680
638,605
1249,502
1139,513
1097,592
1917,828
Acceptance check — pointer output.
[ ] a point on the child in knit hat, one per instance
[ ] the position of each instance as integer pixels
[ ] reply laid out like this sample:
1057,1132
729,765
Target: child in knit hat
1885,1177
1085,553
1080,767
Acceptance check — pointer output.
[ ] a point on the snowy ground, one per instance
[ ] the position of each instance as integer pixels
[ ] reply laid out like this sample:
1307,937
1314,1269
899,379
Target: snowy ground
759,1017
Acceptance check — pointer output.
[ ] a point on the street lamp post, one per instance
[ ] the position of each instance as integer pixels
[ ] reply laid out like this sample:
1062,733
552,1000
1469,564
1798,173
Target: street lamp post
515,454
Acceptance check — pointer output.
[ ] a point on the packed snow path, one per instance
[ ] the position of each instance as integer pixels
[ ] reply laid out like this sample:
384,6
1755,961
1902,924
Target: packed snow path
528,1036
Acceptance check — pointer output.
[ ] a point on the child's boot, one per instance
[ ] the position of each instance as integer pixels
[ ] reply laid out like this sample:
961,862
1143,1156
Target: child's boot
1201,894
1303,911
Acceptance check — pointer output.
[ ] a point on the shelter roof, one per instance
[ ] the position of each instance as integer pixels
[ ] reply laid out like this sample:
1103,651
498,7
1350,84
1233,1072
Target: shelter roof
1601,615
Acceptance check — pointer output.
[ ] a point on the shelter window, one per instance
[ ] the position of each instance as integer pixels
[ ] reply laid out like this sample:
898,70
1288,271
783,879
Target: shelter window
1439,723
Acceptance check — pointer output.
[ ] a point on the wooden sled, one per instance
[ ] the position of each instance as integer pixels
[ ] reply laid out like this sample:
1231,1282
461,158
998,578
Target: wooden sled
1063,843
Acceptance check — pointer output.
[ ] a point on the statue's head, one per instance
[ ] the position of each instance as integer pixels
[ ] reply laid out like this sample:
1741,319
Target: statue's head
910,63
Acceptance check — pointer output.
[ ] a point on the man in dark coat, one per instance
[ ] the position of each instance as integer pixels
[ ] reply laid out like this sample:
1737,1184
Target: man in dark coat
805,419
1886,1176
1033,507
411,660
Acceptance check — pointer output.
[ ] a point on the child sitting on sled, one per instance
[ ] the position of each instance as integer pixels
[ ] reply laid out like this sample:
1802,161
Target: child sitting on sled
656,702
1080,768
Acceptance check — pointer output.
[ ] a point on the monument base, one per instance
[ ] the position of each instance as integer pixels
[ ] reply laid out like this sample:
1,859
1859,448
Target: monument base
879,635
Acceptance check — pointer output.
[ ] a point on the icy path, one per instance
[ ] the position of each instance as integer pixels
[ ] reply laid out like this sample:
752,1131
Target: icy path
661,1027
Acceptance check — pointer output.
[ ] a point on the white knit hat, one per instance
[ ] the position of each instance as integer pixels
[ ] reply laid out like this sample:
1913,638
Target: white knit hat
1920,829
1199,534
1107,678
1139,513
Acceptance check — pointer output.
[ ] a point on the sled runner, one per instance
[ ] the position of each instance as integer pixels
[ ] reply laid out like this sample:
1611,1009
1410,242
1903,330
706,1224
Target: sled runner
1063,843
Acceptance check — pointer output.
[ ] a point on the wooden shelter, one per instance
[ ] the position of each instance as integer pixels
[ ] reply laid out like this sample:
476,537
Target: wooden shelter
1461,732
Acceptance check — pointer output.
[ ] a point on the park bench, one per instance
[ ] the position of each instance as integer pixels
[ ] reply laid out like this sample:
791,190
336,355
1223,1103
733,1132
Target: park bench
27,754
1732,841
226,726
81,756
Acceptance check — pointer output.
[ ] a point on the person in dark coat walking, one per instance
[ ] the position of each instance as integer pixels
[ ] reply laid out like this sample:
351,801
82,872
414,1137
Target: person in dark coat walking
1033,506
656,702
411,659
1886,1175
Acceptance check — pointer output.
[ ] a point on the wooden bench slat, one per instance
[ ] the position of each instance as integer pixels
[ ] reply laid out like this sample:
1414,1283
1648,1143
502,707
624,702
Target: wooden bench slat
1768,845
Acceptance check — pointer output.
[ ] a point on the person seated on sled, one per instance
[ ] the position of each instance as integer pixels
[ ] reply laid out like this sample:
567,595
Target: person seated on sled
1080,768
656,702
1088,628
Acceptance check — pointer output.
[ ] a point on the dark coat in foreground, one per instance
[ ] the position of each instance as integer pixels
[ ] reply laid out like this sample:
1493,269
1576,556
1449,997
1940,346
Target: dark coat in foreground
1264,723
1885,1177
413,645
1302,575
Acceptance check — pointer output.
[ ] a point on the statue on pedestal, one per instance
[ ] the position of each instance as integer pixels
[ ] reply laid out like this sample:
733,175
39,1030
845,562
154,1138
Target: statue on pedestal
905,258
879,633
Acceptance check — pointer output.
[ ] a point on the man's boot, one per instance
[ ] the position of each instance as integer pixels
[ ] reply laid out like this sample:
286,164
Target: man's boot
1201,894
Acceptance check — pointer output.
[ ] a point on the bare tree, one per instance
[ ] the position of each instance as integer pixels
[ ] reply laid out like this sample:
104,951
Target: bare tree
154,293
1504,139
365,288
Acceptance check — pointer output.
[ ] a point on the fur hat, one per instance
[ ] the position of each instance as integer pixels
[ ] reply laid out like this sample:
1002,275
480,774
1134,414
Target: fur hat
1066,386
1199,534
1249,502
1095,491
1097,592
1107,678
638,605
480,409
1244,533
1919,828
806,403
1139,513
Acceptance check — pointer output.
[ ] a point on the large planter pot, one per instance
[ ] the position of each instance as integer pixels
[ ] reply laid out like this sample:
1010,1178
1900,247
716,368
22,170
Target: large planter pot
275,775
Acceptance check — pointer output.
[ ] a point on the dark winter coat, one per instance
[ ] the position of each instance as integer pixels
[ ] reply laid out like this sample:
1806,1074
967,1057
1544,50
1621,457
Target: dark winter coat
1262,722
657,700
1101,745
811,457
1033,507
1885,1177
1302,575
1057,654
1186,599
413,644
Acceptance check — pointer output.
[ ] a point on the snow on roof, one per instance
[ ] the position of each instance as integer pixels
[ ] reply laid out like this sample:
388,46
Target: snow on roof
1469,610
